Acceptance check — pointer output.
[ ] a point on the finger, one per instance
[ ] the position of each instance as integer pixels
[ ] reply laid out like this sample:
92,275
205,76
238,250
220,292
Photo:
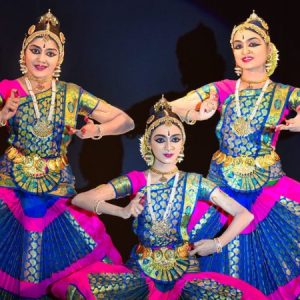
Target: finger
71,130
88,120
193,252
199,243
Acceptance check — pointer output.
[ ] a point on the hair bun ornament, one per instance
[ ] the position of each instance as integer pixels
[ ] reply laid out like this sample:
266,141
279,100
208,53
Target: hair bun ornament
162,105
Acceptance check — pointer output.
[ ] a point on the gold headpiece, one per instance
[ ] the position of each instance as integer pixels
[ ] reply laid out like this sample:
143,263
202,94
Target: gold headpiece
162,114
47,27
254,23
259,26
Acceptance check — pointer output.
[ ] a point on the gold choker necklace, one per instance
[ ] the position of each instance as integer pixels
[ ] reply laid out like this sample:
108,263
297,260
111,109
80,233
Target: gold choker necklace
40,81
163,178
251,83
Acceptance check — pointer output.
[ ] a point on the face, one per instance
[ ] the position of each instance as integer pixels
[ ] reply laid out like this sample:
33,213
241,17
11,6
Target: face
41,57
166,143
250,50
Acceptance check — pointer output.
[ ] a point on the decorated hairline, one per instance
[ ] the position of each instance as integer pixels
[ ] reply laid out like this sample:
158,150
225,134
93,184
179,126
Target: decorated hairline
250,23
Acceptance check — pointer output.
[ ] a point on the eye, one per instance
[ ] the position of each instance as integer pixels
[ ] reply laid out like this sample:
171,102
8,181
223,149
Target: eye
237,46
254,44
51,53
35,50
175,139
159,140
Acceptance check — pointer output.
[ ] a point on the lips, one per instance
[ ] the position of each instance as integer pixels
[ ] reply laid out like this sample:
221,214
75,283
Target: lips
168,155
40,67
247,59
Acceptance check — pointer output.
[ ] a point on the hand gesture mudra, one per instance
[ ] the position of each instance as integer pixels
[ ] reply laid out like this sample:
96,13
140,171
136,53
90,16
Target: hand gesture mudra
11,106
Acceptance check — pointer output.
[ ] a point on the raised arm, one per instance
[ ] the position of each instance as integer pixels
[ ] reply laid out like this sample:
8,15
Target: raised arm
241,218
192,108
113,120
95,200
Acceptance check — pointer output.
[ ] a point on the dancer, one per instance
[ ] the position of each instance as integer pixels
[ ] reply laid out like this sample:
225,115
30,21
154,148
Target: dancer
168,218
43,237
247,167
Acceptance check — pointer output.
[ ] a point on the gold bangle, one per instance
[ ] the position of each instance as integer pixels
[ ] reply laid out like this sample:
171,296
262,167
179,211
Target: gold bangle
218,245
99,135
3,123
187,120
96,208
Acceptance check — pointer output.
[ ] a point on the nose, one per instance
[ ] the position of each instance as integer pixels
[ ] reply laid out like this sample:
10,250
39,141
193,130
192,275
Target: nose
42,58
169,146
245,49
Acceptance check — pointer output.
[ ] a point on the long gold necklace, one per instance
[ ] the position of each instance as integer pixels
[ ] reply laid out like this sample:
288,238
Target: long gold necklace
42,128
241,126
251,83
161,228
163,178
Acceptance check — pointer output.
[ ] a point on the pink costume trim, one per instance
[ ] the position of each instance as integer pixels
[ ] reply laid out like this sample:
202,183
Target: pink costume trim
80,279
32,224
225,88
285,187
286,291
7,85
138,180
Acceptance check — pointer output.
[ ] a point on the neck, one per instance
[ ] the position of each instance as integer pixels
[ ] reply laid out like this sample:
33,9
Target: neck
163,168
254,76
39,83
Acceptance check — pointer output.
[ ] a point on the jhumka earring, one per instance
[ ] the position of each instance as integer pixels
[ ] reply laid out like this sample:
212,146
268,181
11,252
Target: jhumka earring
238,70
23,67
149,158
272,60
57,71
181,155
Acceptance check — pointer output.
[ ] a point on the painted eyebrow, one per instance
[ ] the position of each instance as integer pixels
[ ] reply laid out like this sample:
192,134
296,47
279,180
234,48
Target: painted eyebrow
249,40
165,136
36,46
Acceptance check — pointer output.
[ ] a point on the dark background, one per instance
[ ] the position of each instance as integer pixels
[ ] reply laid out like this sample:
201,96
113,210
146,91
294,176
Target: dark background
129,52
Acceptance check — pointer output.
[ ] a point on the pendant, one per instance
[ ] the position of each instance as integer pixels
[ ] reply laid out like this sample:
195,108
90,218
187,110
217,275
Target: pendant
161,228
242,127
42,129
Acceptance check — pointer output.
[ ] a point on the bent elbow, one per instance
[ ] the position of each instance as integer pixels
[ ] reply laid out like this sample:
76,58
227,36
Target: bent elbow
129,123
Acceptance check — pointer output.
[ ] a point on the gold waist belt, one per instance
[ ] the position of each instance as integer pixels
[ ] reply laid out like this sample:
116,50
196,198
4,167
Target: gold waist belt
34,164
163,253
263,161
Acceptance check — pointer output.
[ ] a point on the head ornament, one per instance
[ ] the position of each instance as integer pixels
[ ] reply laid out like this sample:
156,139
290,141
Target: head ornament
47,27
161,115
258,25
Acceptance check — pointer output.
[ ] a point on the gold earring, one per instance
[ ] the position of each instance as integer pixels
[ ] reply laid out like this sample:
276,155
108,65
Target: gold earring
23,67
57,71
149,158
238,71
181,155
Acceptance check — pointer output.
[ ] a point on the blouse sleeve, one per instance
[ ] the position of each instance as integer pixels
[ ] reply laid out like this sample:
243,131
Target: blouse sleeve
294,99
87,103
128,184
122,186
204,91
206,188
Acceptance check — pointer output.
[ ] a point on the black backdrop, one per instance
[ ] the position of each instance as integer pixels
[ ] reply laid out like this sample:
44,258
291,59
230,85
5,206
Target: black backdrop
130,52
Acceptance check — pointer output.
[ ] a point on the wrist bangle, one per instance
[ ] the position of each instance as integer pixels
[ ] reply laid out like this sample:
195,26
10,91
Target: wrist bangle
98,136
218,245
3,123
187,120
97,207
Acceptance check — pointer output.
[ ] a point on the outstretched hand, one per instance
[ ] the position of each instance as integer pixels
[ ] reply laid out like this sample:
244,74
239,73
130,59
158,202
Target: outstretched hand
11,105
292,124
204,248
135,207
87,131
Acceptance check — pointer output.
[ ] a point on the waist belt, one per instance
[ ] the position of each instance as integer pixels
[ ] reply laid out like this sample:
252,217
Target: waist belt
163,253
34,164
244,163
